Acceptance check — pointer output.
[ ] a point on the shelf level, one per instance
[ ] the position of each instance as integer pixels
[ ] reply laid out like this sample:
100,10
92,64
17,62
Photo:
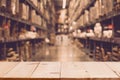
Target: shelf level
87,7
20,40
104,18
21,20
37,10
107,40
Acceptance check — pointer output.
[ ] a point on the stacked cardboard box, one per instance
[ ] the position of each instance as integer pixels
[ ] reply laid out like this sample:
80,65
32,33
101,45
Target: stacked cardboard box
33,13
92,14
81,21
110,5
72,7
2,5
8,3
1,33
35,2
100,8
47,15
17,7
38,4
85,2
41,8
13,6
27,12
24,11
86,17
35,18
104,6
97,9
44,24
39,20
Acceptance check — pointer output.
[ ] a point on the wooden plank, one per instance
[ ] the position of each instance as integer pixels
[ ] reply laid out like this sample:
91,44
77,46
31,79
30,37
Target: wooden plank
74,70
99,70
114,66
5,67
59,71
22,70
47,70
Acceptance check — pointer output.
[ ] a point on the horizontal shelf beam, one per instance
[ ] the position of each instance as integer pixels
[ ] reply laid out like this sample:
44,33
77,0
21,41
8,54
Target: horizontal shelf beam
20,40
111,40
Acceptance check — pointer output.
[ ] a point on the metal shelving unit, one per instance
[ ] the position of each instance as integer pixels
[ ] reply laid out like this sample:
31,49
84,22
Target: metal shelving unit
101,45
22,23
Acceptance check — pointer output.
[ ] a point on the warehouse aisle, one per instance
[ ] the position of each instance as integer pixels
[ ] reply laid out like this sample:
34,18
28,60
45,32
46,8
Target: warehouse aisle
62,53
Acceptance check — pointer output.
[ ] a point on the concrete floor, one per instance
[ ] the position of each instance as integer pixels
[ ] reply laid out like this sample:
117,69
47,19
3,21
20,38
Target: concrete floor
61,53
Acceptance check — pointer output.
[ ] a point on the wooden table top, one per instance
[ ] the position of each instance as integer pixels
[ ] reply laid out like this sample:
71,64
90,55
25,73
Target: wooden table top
59,70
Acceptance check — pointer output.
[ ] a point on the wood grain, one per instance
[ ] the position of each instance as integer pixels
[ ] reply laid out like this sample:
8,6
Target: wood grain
74,70
50,70
115,67
99,70
59,71
22,70
5,67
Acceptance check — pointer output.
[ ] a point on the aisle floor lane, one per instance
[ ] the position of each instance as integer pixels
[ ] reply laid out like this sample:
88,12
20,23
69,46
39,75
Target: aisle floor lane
62,53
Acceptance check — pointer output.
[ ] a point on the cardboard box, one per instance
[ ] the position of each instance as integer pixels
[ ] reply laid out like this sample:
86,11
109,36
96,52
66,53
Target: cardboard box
2,3
17,7
33,13
35,2
24,11
86,17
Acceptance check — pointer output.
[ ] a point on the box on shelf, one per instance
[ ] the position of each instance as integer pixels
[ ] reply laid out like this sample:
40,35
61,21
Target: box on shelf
108,6
98,30
33,13
97,9
39,20
47,14
9,6
81,21
17,7
92,14
86,17
35,2
23,11
27,12
13,6
2,5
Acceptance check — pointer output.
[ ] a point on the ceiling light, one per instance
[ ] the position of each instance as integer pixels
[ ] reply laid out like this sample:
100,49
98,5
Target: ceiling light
64,4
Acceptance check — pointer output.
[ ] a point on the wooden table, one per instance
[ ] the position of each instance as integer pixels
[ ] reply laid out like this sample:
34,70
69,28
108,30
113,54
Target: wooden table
59,70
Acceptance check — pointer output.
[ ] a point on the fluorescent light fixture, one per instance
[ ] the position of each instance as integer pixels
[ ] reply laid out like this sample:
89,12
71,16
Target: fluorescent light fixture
64,4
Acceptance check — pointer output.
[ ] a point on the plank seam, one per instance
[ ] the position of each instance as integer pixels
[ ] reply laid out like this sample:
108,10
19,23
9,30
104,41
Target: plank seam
112,70
11,68
34,69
